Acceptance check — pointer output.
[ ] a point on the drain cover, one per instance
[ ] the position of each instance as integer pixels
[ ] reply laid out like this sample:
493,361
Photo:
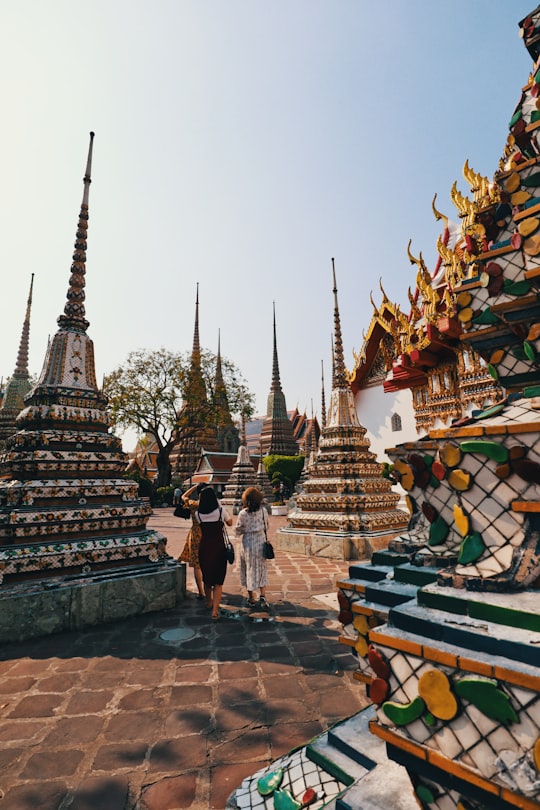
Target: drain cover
177,634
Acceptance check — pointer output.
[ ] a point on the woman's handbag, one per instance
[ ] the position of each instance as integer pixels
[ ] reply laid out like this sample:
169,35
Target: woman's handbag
182,511
229,548
268,548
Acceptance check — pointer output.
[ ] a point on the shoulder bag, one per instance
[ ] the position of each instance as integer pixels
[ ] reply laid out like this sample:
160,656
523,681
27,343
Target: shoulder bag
268,548
229,548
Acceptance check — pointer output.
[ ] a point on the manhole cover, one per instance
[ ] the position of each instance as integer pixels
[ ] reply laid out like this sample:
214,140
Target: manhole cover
177,634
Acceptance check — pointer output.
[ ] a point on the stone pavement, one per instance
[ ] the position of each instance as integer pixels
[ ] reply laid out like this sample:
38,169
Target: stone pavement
121,718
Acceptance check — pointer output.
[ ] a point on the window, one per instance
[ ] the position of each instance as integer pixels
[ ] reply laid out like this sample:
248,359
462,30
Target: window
396,422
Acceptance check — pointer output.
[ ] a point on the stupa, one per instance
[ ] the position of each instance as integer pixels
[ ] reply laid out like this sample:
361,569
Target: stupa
227,433
195,430
19,385
347,508
277,431
74,546
243,475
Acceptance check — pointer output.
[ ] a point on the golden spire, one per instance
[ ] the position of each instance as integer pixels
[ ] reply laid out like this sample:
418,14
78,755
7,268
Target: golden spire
437,214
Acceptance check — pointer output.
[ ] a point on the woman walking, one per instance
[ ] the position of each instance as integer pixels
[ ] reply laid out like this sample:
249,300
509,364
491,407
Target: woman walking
251,526
190,552
212,555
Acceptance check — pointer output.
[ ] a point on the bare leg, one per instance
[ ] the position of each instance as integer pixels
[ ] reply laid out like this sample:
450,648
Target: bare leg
197,573
250,596
208,594
218,591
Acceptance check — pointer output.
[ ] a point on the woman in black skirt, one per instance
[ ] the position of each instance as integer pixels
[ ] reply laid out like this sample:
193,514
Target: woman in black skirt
212,556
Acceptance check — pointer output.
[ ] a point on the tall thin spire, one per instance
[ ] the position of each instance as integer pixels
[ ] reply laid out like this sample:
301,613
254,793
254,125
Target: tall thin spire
340,376
323,402
219,372
74,313
21,366
196,341
276,382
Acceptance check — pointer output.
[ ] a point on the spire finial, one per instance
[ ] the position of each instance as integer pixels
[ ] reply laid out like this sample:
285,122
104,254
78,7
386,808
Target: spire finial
339,375
323,403
196,341
276,383
21,366
74,313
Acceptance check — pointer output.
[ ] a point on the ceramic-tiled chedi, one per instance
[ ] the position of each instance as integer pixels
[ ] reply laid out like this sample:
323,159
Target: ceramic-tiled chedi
19,384
455,671
64,505
344,494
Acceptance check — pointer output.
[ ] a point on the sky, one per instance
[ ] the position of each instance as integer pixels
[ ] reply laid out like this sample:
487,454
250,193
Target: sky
240,144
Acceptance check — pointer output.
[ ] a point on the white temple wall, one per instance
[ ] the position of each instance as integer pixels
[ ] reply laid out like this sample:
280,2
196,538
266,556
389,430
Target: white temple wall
375,410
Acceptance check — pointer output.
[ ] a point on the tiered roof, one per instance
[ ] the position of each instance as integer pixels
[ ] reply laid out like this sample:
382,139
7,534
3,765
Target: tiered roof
277,431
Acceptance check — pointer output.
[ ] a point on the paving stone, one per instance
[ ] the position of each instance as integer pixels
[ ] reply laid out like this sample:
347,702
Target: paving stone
37,706
190,695
284,686
335,705
243,691
239,670
101,793
144,675
289,710
178,754
86,702
131,725
13,686
286,736
224,779
21,730
252,745
198,673
189,721
277,668
8,756
58,682
42,795
50,765
112,758
69,730
245,716
170,793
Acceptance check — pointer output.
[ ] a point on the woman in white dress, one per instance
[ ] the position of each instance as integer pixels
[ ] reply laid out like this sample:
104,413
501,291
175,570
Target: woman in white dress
251,526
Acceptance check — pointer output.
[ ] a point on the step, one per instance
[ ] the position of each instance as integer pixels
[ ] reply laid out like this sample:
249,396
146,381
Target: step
390,592
370,572
415,574
391,558
470,634
387,787
340,766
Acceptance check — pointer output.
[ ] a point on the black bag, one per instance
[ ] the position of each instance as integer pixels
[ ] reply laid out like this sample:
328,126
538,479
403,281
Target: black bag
229,548
182,511
268,548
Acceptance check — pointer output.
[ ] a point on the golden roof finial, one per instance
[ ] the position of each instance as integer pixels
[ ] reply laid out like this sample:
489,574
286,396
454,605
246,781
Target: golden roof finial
385,297
374,305
437,214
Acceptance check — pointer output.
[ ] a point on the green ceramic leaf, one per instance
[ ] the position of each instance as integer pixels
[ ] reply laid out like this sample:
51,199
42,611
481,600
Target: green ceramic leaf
515,118
492,371
532,180
488,698
516,287
519,352
403,713
428,460
270,782
532,391
428,719
284,801
497,452
472,547
438,532
495,409
486,317
530,351
425,794
434,482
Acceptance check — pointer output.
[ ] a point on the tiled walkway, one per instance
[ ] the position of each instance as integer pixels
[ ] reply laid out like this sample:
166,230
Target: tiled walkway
119,717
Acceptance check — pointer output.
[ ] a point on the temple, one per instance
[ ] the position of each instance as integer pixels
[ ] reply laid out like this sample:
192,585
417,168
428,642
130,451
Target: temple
444,624
19,384
277,431
346,508
202,422
243,475
74,547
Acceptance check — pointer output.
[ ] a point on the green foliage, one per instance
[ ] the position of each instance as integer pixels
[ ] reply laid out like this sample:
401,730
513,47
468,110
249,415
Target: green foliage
165,495
283,469
146,489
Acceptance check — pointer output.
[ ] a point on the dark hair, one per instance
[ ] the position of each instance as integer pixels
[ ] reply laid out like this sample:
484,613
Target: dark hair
200,487
207,501
252,499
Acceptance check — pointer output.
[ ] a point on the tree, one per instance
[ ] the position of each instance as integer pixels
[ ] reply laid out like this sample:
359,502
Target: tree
285,469
147,392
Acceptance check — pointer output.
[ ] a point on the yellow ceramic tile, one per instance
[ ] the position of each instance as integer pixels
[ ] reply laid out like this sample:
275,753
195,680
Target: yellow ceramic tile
525,506
472,665
402,644
397,740
530,427
518,801
462,772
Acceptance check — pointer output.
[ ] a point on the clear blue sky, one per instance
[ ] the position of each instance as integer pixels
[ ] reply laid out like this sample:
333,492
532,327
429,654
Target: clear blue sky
240,144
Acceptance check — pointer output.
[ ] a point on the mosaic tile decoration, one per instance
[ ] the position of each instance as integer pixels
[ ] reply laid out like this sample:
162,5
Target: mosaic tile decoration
299,774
